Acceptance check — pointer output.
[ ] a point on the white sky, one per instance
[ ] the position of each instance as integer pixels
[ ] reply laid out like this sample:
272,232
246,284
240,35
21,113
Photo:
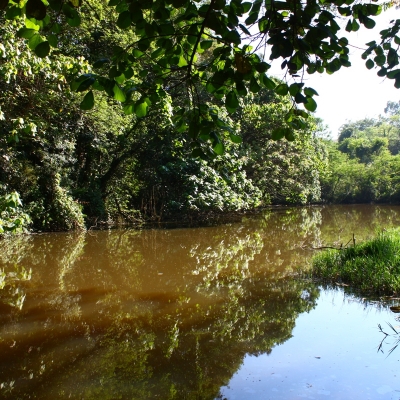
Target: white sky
352,93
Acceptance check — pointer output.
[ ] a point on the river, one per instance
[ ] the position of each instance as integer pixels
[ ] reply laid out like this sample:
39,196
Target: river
217,312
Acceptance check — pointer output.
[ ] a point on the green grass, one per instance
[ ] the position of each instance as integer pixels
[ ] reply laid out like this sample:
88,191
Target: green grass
371,267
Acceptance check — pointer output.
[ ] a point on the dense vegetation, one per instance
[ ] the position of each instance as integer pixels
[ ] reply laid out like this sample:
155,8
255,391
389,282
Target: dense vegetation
372,266
200,122
364,165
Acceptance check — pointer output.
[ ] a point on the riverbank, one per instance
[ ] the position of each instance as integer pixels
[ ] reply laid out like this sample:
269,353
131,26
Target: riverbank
372,267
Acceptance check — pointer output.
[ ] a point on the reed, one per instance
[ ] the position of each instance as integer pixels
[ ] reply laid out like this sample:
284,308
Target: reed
371,267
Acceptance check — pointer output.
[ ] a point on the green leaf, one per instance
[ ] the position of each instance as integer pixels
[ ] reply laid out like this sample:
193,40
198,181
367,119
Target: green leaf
310,105
355,26
137,53
393,74
34,41
369,23
144,44
26,33
231,102
282,89
289,135
124,20
382,72
13,12
198,153
254,86
262,67
35,9
219,149
206,44
88,101
182,62
299,98
267,82
310,92
235,138
294,88
53,40
141,108
99,63
370,64
42,49
55,28
278,133
244,29
380,60
82,83
119,95
74,18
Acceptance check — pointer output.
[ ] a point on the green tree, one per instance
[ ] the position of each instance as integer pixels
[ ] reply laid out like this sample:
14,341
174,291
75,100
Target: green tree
285,171
167,39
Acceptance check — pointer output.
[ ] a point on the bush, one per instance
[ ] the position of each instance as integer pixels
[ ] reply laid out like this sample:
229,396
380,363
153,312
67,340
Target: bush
371,267
12,217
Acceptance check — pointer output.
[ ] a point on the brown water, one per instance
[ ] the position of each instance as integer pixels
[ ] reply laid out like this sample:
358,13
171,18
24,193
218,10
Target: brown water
191,313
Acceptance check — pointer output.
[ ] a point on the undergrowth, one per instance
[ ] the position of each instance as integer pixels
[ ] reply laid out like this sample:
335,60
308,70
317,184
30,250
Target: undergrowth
370,267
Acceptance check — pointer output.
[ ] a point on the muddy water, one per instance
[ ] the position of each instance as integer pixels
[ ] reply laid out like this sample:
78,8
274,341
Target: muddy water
198,313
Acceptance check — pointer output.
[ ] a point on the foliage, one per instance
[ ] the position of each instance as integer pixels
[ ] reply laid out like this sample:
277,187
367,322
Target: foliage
372,266
286,171
168,40
12,217
364,165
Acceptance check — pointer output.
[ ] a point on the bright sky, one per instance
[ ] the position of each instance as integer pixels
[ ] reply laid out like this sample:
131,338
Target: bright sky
353,93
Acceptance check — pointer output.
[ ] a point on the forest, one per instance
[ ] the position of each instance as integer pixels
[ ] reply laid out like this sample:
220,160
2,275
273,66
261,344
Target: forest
95,131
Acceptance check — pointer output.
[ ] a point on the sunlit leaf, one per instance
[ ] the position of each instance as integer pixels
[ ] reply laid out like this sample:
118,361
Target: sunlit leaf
119,95
219,149
141,109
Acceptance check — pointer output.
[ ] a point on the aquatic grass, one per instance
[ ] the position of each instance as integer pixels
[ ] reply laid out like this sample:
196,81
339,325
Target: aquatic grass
372,267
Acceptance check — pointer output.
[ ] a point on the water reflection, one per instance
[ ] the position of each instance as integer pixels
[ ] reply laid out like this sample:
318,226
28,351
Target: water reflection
157,313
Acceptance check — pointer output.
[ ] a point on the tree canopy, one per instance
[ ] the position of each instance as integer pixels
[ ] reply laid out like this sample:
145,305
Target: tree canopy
186,46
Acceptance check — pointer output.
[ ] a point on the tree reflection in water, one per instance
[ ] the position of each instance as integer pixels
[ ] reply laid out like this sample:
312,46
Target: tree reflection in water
154,314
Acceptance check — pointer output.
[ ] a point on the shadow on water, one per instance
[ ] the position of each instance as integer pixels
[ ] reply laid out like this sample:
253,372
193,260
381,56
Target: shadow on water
158,313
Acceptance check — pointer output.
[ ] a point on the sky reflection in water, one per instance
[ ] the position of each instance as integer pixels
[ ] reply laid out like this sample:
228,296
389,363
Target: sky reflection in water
332,355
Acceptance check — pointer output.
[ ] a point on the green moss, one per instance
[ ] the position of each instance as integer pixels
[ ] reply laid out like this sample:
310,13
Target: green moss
371,267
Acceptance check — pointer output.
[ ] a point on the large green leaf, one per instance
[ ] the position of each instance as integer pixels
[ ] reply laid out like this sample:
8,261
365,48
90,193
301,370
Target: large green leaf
119,95
88,101
42,49
278,133
219,149
310,105
231,102
35,9
26,33
34,41
282,89
124,20
141,108
370,64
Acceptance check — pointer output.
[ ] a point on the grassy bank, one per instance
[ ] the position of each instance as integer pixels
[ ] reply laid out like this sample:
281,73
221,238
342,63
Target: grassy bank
371,267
